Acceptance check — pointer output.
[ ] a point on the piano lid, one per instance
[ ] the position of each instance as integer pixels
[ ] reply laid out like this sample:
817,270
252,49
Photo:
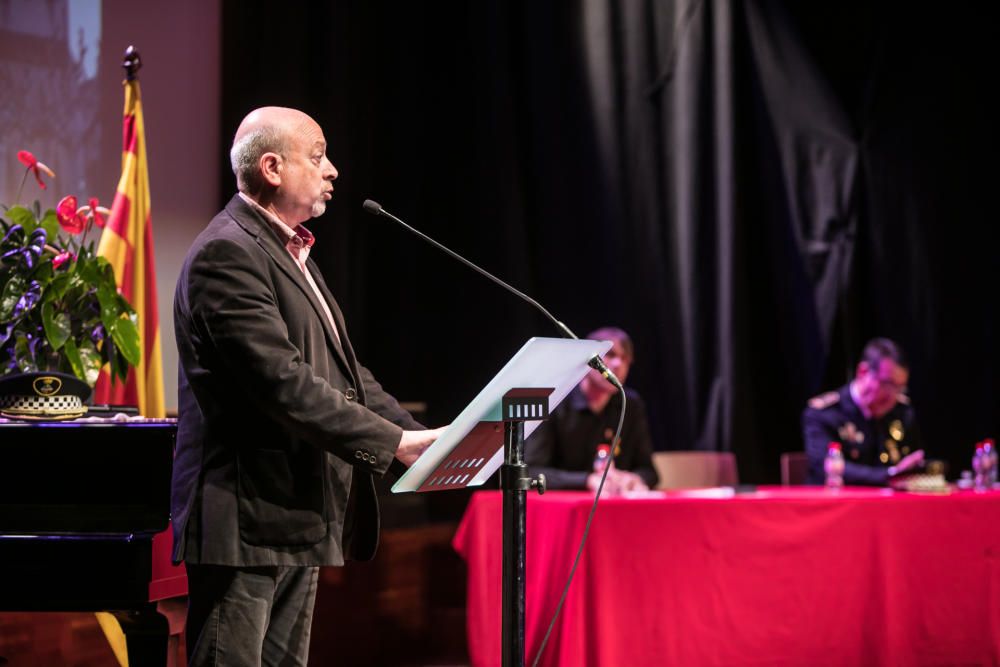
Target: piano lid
85,477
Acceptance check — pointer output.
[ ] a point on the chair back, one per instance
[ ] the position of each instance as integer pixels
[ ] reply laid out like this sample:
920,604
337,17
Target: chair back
794,468
693,469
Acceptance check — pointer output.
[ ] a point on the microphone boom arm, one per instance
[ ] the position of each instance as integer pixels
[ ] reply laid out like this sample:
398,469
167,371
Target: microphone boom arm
595,362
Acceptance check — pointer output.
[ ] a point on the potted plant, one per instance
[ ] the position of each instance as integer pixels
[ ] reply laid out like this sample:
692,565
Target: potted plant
60,310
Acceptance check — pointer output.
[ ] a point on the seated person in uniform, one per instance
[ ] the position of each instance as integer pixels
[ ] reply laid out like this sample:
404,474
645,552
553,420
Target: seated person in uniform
870,417
564,446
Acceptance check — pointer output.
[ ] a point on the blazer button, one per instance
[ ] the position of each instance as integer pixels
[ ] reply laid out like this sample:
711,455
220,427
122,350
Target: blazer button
350,394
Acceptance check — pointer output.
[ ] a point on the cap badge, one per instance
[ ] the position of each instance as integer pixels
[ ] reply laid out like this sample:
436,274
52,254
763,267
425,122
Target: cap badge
46,385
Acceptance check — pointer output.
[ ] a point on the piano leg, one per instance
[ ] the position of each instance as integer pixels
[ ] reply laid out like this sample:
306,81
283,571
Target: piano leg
147,634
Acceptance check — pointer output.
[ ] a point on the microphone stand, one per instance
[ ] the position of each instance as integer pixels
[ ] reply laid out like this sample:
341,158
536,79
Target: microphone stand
514,479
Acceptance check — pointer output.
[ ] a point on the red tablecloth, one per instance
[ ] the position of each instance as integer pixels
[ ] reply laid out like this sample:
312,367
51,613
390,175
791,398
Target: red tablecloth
778,577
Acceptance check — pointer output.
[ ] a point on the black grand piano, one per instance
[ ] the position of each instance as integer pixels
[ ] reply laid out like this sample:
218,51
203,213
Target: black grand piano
84,509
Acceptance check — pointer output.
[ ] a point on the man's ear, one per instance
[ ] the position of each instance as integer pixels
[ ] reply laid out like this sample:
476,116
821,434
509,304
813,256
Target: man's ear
862,370
270,168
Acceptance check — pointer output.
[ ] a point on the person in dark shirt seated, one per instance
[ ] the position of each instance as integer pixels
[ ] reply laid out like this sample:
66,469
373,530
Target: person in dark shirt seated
565,445
871,417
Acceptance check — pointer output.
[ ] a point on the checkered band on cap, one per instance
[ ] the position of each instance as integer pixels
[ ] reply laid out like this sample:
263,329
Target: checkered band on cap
41,404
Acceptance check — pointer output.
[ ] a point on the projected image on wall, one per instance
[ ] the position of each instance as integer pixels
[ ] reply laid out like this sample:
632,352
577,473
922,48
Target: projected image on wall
49,78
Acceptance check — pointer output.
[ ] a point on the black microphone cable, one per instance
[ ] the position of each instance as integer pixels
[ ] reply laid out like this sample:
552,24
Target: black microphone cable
586,530
376,209
595,362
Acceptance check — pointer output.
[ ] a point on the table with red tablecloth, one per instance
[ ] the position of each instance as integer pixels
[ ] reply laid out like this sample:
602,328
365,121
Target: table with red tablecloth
778,576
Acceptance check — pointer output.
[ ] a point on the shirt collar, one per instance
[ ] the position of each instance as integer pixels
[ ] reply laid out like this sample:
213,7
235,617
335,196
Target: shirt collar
296,236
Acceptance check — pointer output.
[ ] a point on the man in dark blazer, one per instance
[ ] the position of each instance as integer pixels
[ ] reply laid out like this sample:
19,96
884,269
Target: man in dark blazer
280,427
871,417
564,446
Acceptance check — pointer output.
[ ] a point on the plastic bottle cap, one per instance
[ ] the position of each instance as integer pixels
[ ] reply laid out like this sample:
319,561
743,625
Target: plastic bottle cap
604,448
834,445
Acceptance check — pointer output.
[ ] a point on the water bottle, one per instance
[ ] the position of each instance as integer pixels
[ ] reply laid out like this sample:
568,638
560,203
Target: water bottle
834,466
980,468
990,456
602,458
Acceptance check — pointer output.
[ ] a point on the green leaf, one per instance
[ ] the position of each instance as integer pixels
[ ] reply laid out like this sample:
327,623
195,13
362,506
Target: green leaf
109,311
109,271
57,325
22,216
76,285
89,270
57,288
12,291
119,368
75,362
126,337
50,223
43,273
22,355
91,359
127,308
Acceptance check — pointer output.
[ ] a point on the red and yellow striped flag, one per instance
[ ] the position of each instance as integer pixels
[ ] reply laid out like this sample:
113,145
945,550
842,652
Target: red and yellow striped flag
127,243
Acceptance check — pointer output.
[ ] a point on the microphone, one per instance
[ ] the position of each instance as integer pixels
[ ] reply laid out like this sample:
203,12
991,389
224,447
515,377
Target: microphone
595,362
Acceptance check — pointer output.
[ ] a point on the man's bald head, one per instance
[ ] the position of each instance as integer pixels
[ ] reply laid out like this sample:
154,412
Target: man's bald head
264,130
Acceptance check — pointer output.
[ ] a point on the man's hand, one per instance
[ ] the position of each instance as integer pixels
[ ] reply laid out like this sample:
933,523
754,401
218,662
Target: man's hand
413,443
594,481
617,483
909,461
629,481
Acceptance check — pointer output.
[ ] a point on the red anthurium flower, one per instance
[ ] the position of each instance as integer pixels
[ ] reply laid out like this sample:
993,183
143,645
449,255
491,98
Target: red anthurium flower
69,218
66,207
94,211
32,163
97,212
61,259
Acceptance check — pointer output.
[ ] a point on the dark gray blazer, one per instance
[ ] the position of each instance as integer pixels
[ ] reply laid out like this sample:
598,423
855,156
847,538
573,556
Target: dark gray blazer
280,428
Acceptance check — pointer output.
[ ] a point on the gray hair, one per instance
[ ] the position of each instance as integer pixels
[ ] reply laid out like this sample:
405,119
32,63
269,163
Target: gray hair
617,335
246,153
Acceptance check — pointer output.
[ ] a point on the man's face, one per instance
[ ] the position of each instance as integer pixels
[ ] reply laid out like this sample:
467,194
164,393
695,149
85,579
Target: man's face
879,388
617,362
306,175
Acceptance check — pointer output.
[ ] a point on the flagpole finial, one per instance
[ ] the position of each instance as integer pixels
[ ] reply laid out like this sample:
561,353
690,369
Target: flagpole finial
132,63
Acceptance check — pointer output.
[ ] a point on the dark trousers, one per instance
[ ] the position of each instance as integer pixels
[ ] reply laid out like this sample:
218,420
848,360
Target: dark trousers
249,616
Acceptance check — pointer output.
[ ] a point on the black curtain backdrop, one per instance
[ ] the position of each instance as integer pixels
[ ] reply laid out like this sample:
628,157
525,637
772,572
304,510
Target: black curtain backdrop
750,189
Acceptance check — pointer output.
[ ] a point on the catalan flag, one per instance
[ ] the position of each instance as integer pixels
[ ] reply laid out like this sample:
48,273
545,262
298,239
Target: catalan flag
127,243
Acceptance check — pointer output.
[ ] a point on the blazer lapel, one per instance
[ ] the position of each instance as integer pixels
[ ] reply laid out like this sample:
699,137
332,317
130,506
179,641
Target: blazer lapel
268,239
345,343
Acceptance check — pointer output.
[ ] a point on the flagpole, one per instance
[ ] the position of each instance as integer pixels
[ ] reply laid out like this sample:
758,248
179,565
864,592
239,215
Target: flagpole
132,63
127,244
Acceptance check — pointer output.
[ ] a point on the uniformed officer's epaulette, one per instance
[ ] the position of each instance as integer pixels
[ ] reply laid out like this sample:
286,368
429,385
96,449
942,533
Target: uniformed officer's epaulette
824,401
903,398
